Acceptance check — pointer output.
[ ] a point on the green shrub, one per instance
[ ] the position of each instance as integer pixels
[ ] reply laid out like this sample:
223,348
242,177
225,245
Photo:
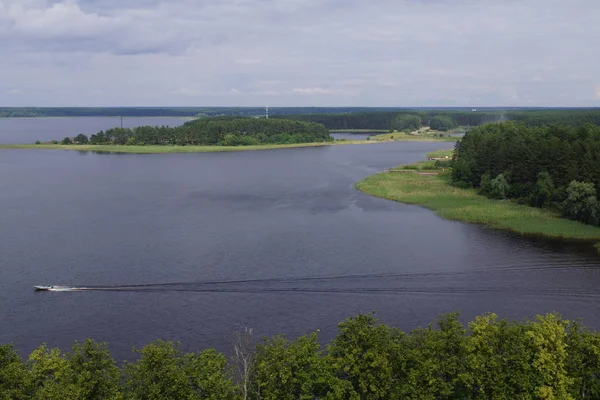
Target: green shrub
581,203
81,139
498,187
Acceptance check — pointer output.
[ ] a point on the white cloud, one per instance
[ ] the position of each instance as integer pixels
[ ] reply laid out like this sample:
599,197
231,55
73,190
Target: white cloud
300,52
62,19
249,61
317,90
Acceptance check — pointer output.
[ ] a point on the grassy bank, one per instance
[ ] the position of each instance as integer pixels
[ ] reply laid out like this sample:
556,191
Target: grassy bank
180,149
420,137
435,193
159,149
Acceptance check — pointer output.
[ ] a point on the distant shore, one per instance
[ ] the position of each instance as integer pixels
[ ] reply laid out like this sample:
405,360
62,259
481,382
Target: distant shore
176,149
157,149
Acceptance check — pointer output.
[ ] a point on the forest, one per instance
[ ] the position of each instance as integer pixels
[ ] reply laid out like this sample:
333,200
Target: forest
387,120
200,112
456,117
224,131
489,358
331,117
556,167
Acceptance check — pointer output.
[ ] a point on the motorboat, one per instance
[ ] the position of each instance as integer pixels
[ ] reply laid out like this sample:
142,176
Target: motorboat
43,287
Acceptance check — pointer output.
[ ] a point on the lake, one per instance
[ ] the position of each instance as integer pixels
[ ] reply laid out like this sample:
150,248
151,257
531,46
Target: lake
28,130
190,247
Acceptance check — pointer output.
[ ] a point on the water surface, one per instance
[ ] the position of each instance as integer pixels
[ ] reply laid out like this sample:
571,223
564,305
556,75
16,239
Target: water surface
190,247
28,130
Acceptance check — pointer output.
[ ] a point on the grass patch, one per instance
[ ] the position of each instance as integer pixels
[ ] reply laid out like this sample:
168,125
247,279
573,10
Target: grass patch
401,136
160,149
441,154
435,193
149,149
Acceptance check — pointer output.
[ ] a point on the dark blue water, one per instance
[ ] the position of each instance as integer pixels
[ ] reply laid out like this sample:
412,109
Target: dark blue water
28,130
190,247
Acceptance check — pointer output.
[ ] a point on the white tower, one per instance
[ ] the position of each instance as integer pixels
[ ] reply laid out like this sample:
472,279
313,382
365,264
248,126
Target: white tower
267,112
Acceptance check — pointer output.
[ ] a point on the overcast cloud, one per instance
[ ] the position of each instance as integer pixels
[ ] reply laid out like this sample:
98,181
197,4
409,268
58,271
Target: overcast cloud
300,52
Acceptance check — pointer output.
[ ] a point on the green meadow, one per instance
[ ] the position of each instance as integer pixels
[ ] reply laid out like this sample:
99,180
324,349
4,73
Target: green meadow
435,193
148,149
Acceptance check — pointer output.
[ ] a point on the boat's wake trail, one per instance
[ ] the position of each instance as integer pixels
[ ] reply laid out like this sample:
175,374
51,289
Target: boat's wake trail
64,289
475,281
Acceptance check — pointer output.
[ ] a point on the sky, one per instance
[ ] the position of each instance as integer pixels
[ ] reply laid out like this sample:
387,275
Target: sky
396,53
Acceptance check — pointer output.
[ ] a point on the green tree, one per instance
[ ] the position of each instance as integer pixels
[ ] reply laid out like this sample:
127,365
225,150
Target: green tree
543,191
435,362
81,139
13,375
583,361
98,138
50,376
442,123
295,370
164,372
581,203
499,361
362,353
406,121
485,187
549,337
94,371
158,373
498,187
66,140
209,376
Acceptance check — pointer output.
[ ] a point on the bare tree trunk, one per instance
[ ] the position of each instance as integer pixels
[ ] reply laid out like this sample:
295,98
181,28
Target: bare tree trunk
243,358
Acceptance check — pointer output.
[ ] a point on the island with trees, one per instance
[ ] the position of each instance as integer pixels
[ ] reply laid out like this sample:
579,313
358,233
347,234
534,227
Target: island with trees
200,135
214,132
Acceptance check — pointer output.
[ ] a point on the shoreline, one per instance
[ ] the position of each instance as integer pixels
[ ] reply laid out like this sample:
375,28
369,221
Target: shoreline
150,149
155,149
100,116
433,191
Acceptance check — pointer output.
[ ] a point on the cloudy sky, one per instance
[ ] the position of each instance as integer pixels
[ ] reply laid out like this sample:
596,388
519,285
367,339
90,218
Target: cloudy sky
300,52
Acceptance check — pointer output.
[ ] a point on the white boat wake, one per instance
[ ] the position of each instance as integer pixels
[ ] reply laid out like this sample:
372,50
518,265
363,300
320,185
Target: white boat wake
58,288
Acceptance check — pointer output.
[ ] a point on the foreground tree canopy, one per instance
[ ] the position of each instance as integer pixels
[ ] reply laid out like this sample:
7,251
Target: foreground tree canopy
547,358
549,166
214,131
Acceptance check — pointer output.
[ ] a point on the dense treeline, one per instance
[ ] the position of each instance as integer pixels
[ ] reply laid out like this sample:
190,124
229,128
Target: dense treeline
574,117
390,119
216,131
547,166
362,120
174,111
548,358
